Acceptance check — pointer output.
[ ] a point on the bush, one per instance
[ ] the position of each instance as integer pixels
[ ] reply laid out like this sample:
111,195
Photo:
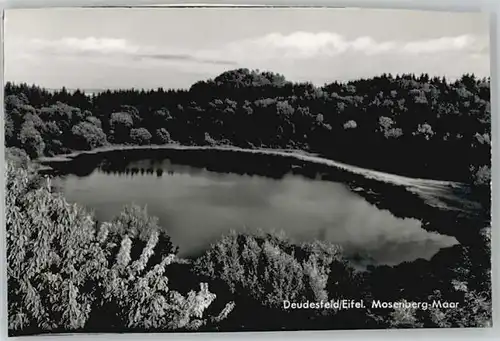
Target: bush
135,222
31,140
87,136
269,268
351,124
481,176
208,140
474,308
17,157
140,136
51,255
64,274
162,136
136,293
120,124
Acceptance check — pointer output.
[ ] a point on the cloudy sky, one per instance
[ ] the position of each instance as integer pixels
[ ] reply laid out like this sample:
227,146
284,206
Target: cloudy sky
172,48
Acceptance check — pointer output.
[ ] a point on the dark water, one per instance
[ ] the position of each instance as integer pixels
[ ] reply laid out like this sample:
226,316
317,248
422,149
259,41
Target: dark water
197,205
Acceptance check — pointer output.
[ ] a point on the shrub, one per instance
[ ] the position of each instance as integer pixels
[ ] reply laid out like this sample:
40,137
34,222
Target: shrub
351,124
404,317
94,120
140,136
481,176
135,222
120,124
474,308
87,136
269,268
31,140
17,157
208,140
137,295
162,136
51,257
64,274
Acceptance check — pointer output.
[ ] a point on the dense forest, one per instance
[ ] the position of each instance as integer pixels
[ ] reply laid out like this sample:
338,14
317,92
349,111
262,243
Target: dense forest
69,272
416,126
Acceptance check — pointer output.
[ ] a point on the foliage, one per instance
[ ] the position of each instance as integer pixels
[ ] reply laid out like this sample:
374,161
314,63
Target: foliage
270,269
9,130
406,124
64,274
474,308
17,157
404,317
351,124
481,176
120,125
138,291
88,136
140,136
135,222
31,140
162,136
94,120
51,255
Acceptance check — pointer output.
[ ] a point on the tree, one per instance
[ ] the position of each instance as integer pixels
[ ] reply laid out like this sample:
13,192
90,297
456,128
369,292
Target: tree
33,118
10,137
87,136
132,111
474,309
135,222
63,113
17,157
15,101
208,140
31,140
141,295
67,274
265,268
432,117
120,125
94,120
162,136
351,124
50,255
140,136
387,128
54,138
424,130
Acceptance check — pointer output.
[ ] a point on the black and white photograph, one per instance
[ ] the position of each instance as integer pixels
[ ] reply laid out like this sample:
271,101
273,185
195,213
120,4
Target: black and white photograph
246,169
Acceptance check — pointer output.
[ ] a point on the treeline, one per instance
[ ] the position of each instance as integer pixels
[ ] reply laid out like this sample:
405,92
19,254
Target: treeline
69,273
419,126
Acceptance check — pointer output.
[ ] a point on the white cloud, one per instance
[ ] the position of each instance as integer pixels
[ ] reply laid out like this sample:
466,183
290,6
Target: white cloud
300,45
89,44
444,44
294,46
306,56
103,47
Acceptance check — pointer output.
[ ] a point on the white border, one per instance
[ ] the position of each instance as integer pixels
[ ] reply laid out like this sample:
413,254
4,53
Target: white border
489,6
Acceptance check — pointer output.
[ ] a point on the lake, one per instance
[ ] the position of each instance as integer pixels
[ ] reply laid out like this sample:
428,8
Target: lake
201,195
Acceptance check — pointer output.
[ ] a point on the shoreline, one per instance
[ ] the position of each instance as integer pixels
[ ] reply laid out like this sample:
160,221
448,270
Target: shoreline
394,179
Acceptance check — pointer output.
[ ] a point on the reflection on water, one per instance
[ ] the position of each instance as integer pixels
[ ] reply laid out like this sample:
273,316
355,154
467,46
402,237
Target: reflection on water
197,206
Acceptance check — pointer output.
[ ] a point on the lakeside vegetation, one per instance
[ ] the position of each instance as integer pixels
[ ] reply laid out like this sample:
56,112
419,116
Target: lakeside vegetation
419,126
67,272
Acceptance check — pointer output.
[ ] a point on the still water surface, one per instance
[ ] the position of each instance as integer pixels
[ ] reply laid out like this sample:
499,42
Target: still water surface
198,206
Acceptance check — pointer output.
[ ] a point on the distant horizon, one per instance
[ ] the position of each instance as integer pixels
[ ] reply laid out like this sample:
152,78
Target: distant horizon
96,90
